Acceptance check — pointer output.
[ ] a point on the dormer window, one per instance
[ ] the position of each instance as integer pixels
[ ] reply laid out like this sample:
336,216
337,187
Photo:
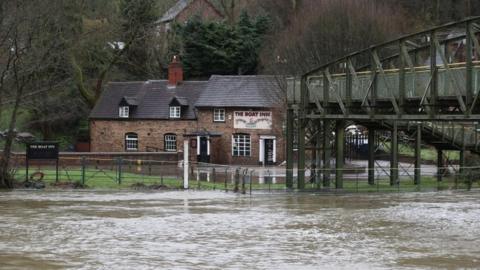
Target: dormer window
177,105
127,106
124,111
175,111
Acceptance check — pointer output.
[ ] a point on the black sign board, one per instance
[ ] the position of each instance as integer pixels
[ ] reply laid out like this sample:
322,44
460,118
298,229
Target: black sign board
42,150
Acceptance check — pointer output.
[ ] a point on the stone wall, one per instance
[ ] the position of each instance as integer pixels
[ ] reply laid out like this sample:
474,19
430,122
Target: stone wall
109,136
101,158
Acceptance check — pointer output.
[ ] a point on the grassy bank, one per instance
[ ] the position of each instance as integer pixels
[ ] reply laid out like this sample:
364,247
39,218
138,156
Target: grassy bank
107,179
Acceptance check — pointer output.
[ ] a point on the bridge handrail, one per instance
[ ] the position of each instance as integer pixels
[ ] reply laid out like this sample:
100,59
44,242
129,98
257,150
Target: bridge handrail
453,66
423,32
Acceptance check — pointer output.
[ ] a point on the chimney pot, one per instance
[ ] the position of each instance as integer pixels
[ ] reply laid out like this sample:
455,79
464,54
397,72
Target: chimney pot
175,72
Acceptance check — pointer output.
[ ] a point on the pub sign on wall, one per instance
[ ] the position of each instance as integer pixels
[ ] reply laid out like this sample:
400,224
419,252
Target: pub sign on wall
252,119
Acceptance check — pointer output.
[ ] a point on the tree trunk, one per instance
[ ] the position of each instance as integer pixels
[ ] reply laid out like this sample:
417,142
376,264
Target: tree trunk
6,179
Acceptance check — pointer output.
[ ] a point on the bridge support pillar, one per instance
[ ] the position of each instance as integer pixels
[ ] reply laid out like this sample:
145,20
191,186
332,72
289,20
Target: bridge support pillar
440,165
318,155
301,154
371,156
339,149
394,156
462,156
289,172
327,153
418,156
462,164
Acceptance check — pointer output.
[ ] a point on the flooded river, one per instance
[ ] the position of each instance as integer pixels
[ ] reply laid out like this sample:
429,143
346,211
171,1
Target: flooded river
215,230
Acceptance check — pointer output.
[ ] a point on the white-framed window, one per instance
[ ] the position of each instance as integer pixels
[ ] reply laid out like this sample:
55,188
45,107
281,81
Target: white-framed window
131,142
218,115
241,145
170,142
174,111
123,111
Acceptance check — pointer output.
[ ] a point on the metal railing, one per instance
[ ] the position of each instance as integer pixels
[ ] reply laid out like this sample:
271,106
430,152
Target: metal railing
157,175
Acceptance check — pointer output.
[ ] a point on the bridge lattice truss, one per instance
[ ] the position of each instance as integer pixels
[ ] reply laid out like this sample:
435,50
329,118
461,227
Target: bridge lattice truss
425,85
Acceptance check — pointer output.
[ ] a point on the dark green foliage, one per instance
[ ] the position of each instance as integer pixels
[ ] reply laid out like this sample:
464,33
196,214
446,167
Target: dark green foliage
220,48
138,18
250,34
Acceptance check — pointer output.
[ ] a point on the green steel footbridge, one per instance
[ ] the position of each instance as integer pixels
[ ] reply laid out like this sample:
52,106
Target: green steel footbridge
424,85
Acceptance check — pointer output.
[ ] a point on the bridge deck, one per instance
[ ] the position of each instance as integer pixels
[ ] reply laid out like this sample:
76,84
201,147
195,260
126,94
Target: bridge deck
382,87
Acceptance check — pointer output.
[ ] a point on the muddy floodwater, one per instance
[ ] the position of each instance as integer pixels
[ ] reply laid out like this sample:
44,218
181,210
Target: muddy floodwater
215,230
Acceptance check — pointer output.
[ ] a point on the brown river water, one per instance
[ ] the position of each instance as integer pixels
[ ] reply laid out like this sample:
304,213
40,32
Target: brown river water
216,230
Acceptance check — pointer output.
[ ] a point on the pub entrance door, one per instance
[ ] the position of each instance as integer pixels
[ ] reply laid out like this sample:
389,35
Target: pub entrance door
269,152
204,152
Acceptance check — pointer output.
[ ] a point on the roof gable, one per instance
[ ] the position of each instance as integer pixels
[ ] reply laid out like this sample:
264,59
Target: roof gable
179,101
129,101
180,6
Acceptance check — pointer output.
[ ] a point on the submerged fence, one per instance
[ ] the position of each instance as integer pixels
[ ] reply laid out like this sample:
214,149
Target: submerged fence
108,173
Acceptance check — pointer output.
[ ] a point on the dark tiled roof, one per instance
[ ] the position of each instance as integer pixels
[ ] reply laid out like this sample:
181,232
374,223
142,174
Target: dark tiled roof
153,97
173,12
242,91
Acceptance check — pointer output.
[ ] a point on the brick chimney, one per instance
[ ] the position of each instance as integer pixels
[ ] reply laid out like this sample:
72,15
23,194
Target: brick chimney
175,72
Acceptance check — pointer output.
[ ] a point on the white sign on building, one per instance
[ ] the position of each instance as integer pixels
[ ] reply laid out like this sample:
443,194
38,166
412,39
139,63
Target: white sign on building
252,120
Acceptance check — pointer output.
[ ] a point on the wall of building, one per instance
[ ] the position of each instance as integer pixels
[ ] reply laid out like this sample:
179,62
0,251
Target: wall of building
201,8
221,147
109,135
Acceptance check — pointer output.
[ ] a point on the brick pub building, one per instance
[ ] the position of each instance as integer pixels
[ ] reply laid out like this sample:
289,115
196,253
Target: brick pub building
227,119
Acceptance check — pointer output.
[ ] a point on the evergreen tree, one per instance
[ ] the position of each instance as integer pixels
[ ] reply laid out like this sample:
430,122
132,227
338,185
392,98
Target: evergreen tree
250,35
220,48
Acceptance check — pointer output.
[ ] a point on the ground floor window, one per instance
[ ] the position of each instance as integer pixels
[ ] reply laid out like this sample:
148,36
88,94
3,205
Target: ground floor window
171,142
131,142
241,145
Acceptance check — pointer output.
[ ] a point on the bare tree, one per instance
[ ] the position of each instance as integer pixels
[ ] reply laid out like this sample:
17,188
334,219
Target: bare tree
329,29
228,8
120,43
231,9
27,57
